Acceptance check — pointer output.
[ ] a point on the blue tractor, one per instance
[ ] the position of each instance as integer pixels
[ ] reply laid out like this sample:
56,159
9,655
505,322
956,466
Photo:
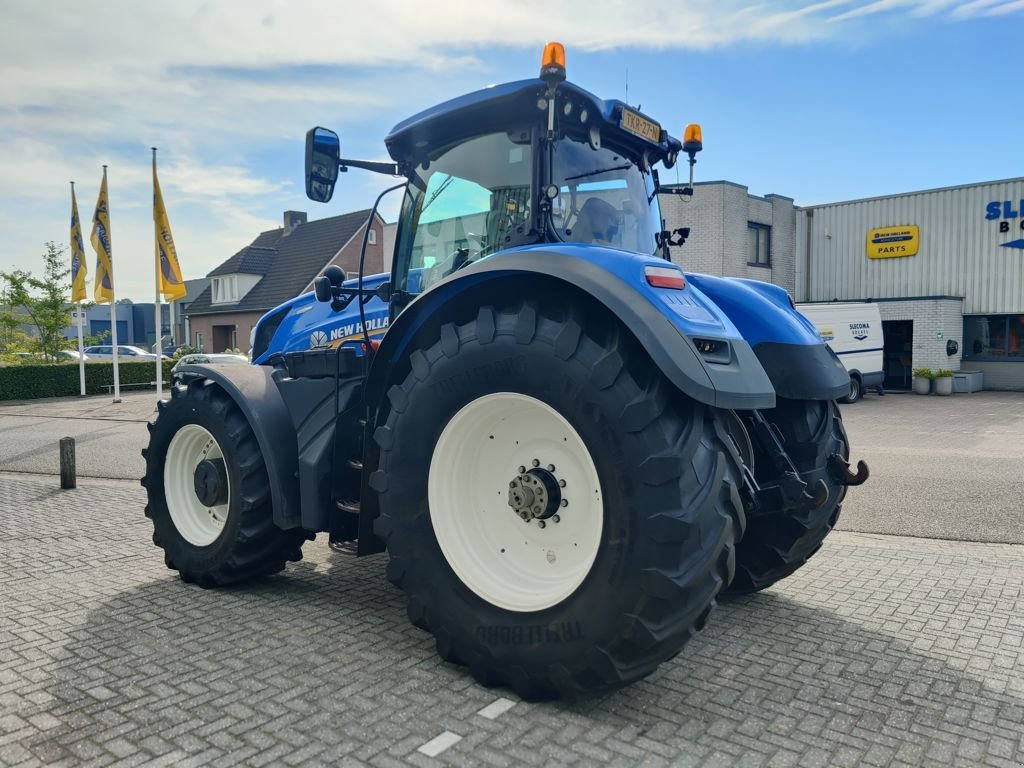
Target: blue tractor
568,447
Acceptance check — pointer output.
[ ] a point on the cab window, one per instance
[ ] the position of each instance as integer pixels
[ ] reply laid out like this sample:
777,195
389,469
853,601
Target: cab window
467,203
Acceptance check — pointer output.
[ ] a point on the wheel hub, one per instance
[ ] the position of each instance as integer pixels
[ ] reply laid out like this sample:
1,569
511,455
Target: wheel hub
210,482
535,494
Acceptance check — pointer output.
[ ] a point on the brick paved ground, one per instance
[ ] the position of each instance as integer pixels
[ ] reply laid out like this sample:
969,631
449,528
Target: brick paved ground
882,651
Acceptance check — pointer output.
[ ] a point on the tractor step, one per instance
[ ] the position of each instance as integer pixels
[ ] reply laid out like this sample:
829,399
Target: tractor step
349,548
348,505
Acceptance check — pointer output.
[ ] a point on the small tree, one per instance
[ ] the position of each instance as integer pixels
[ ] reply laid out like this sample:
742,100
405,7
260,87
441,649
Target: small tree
44,300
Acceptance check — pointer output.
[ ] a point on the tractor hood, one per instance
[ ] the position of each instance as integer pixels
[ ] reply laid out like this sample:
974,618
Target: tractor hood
305,323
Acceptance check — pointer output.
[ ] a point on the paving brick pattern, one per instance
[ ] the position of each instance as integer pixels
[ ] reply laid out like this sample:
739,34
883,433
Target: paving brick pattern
882,651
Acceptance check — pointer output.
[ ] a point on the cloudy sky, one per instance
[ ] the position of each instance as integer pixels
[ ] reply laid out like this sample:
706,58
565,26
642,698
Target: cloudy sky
820,101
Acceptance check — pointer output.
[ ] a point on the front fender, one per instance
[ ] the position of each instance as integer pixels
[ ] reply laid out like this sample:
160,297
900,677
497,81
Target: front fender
800,365
256,394
664,321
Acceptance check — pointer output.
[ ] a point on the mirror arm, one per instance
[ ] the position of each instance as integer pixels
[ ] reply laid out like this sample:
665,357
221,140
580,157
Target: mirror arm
391,169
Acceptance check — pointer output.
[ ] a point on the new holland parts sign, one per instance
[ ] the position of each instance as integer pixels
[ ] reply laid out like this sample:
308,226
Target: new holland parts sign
893,242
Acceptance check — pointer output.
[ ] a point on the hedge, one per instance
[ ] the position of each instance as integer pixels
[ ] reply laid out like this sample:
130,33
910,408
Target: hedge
28,382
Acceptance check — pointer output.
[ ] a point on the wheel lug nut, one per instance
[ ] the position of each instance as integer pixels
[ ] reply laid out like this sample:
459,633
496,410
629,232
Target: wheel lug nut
540,523
565,502
556,519
522,470
536,462
561,483
551,467
524,515
511,483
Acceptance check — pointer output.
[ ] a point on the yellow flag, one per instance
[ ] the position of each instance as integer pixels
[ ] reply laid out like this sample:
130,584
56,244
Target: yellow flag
103,288
78,266
168,269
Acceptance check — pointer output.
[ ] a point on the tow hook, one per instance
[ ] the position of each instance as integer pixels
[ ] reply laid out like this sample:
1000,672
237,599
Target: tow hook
839,468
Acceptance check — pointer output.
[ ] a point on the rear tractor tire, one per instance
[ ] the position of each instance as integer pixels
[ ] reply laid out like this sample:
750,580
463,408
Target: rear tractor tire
209,496
778,542
560,518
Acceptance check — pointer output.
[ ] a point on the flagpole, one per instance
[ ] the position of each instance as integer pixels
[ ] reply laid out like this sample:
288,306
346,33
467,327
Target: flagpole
113,300
78,306
156,300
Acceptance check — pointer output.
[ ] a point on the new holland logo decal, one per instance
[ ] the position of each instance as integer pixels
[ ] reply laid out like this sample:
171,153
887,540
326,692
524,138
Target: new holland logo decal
318,339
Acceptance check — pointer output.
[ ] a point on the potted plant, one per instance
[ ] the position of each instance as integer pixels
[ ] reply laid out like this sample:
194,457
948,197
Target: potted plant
943,382
923,380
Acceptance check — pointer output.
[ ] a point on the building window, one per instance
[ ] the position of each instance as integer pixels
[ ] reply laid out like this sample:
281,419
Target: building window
994,337
372,237
352,275
225,290
199,341
759,244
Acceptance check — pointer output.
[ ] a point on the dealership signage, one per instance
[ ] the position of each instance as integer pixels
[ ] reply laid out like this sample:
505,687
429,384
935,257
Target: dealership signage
893,242
1010,216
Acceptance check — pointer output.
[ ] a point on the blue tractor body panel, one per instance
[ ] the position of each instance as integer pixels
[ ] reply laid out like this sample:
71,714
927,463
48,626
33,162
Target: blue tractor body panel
760,345
308,324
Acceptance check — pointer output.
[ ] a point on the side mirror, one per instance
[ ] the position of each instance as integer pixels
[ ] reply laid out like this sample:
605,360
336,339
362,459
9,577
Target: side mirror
323,153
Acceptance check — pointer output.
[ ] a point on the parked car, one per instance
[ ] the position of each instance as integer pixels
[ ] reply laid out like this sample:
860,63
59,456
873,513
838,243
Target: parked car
103,353
202,358
70,354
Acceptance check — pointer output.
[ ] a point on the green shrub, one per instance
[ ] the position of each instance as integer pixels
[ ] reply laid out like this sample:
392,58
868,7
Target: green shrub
942,373
924,373
29,382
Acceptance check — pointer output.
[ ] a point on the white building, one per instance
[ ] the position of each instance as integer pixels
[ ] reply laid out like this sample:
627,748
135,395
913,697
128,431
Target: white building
946,266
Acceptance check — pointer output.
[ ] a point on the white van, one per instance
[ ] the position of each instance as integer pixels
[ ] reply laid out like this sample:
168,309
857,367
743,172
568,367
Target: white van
854,332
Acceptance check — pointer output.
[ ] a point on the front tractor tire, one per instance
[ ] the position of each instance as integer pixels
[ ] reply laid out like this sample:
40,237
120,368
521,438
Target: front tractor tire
209,495
560,517
778,541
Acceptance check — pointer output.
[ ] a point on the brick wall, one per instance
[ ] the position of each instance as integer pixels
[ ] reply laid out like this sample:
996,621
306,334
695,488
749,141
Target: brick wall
242,322
930,317
717,215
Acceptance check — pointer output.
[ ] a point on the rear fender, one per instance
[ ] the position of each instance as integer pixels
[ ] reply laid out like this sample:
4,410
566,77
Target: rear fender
800,365
664,321
254,391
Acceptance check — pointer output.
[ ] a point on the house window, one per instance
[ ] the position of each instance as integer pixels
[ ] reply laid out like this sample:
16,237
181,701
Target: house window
199,341
225,289
234,338
759,244
352,275
994,337
372,237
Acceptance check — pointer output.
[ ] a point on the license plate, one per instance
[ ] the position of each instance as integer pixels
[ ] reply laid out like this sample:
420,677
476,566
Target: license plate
641,126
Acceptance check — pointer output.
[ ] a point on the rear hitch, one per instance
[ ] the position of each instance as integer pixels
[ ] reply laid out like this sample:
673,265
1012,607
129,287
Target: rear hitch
839,468
791,492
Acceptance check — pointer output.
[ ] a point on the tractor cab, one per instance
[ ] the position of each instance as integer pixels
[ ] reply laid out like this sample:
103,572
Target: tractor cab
527,162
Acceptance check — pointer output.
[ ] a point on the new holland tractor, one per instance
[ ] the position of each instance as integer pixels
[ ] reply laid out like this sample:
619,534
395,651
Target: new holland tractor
568,447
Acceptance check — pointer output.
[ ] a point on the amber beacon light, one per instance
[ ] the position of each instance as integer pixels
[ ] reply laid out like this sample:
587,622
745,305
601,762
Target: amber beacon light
552,63
692,141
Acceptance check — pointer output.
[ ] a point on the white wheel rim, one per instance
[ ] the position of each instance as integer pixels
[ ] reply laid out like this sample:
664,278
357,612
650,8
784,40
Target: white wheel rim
512,564
197,523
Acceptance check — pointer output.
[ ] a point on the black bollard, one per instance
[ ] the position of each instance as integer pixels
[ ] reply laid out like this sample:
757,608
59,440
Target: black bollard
67,463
